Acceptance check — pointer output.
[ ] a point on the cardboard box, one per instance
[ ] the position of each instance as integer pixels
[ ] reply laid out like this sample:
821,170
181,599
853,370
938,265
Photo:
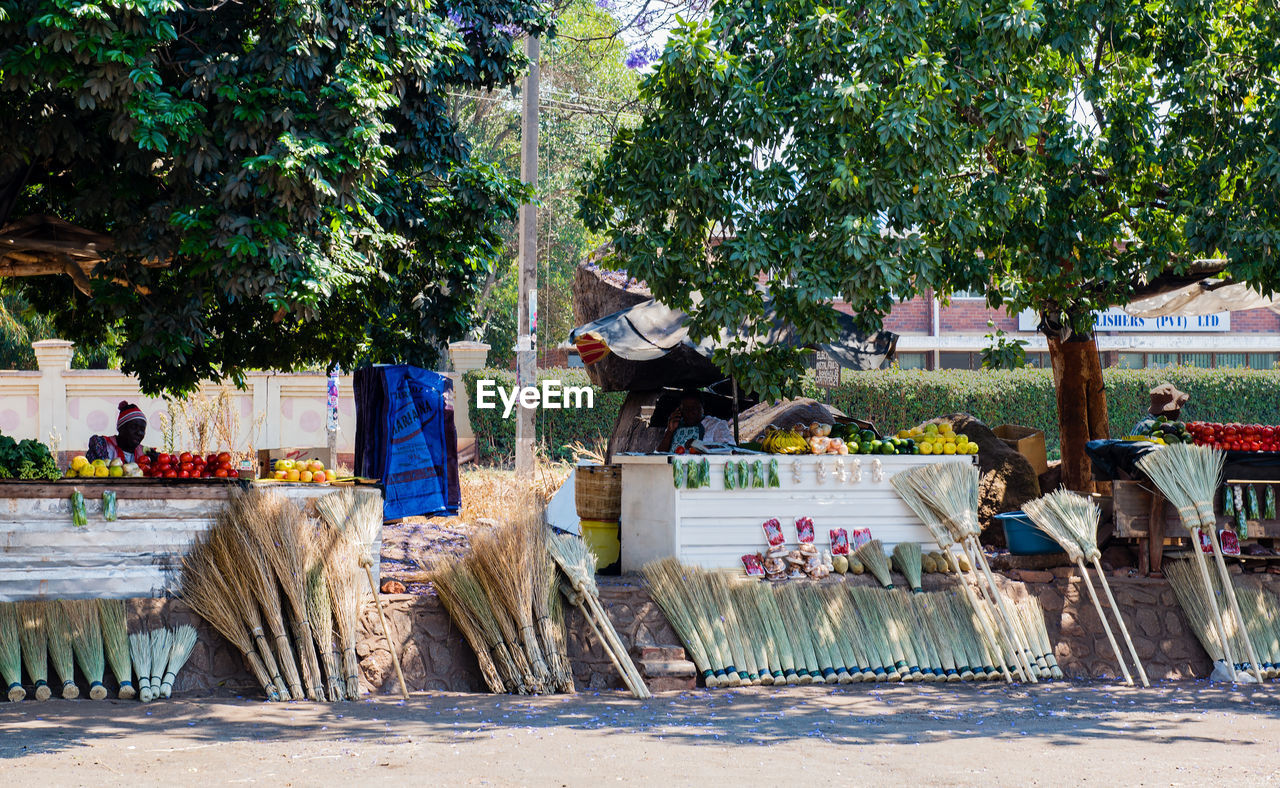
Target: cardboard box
1026,441
268,457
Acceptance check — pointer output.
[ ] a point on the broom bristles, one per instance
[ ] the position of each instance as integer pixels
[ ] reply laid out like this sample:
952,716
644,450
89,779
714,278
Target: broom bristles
58,629
906,556
35,647
140,652
668,590
767,610
86,643
11,652
161,643
341,564
184,640
224,553
320,615
115,642
873,558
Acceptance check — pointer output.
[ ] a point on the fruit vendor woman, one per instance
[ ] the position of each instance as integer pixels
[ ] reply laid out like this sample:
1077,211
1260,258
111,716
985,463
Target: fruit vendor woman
126,444
1166,401
690,423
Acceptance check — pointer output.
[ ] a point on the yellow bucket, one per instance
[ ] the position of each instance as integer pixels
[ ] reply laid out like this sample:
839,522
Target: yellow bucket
602,537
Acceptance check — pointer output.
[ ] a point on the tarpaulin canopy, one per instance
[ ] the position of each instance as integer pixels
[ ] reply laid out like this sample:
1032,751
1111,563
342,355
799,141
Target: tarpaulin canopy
650,331
1205,297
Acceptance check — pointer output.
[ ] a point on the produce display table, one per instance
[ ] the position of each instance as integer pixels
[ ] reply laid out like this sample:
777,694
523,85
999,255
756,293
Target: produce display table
44,555
713,527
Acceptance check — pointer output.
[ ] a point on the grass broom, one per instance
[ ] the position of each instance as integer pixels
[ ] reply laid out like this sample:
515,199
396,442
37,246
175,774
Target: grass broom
341,566
831,665
767,612
848,631
703,606
276,527
115,641
915,490
364,526
140,654
205,589
1072,521
320,617
35,646
504,565
1033,622
761,637
161,644
86,643
873,558
544,591
940,646
963,653
885,665
1260,618
825,637
984,653
1196,600
469,610
11,651
717,590
58,629
872,605
224,549
906,557
183,641
666,586
1181,476
903,611
797,626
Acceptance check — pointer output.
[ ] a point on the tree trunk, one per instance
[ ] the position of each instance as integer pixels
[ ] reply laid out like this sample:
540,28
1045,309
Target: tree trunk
1082,406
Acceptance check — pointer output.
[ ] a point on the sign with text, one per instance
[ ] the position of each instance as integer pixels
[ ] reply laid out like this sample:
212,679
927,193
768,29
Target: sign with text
826,372
1116,319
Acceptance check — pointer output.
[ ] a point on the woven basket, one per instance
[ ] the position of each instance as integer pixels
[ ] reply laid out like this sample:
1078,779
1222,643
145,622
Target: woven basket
597,492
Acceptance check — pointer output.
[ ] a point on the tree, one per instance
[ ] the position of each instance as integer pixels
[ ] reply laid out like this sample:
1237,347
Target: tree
291,167
1056,154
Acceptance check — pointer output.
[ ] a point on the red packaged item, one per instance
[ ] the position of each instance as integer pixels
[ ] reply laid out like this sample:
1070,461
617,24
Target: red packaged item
1230,542
860,537
839,541
804,530
773,532
753,566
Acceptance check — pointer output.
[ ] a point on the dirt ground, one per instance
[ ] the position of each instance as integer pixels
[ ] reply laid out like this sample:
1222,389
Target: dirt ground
1183,733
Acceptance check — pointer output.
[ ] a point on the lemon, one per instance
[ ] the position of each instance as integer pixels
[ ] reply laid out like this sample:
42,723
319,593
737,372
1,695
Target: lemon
902,434
946,429
87,472
99,463
950,448
101,471
926,448
931,429
115,470
79,462
962,438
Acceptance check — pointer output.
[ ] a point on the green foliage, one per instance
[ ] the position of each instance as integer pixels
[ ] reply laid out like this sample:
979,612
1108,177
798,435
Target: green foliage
293,164
556,429
896,399
26,460
1003,352
1051,153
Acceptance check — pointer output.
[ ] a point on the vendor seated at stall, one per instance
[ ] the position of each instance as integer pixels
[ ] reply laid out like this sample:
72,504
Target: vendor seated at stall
126,444
689,422
1166,401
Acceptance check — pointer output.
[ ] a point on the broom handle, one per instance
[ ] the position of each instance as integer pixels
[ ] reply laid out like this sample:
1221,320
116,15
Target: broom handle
1218,627
386,633
982,621
1229,589
1124,630
1106,627
611,634
638,690
1005,618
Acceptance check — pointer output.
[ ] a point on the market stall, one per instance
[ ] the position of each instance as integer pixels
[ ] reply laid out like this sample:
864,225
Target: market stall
137,553
713,527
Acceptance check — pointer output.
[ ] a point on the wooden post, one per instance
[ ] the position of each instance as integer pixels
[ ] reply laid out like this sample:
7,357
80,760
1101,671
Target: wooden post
527,311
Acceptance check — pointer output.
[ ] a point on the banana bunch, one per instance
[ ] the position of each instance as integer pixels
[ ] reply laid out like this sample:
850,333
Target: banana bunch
785,442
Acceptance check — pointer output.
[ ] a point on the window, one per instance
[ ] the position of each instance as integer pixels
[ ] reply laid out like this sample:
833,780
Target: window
980,295
1203,360
953,360
1132,361
1231,360
912,360
1162,360
1262,360
1038,360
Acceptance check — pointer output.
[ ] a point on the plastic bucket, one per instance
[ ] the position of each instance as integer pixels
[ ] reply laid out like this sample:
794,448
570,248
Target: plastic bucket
1023,538
602,537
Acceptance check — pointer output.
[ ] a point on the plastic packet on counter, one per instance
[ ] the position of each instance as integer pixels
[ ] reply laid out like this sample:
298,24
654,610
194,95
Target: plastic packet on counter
860,536
109,506
79,515
751,562
804,530
757,474
839,541
744,474
730,476
773,532
1251,498
774,481
1230,543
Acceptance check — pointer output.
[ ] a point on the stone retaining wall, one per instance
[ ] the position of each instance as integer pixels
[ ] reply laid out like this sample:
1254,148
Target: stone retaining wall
437,658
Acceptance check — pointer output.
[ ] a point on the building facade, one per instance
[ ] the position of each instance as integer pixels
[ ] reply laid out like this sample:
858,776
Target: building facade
952,335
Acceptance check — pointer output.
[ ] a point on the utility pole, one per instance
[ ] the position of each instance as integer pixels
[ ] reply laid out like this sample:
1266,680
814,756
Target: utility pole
527,313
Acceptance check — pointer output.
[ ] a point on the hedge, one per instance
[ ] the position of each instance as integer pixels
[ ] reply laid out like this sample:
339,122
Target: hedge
895,399
496,436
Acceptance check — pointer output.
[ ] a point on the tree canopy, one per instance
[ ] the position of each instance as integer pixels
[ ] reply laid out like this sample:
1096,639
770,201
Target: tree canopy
291,166
1052,154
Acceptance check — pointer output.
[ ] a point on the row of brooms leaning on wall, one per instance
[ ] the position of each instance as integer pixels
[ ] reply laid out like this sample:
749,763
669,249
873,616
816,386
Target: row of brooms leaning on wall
89,634
280,586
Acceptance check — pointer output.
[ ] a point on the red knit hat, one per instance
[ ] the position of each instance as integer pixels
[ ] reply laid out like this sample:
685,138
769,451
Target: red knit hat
129,413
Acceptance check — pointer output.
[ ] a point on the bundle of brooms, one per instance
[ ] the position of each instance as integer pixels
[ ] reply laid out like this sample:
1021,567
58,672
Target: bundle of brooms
1260,609
503,595
945,497
740,631
265,572
69,633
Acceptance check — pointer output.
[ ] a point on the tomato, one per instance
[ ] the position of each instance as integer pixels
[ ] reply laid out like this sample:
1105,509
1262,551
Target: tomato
187,467
162,459
224,456
185,457
221,473
184,474
232,473
226,465
170,474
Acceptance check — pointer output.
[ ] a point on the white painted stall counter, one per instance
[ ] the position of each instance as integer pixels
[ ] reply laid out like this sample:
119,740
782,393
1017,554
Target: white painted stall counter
714,527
